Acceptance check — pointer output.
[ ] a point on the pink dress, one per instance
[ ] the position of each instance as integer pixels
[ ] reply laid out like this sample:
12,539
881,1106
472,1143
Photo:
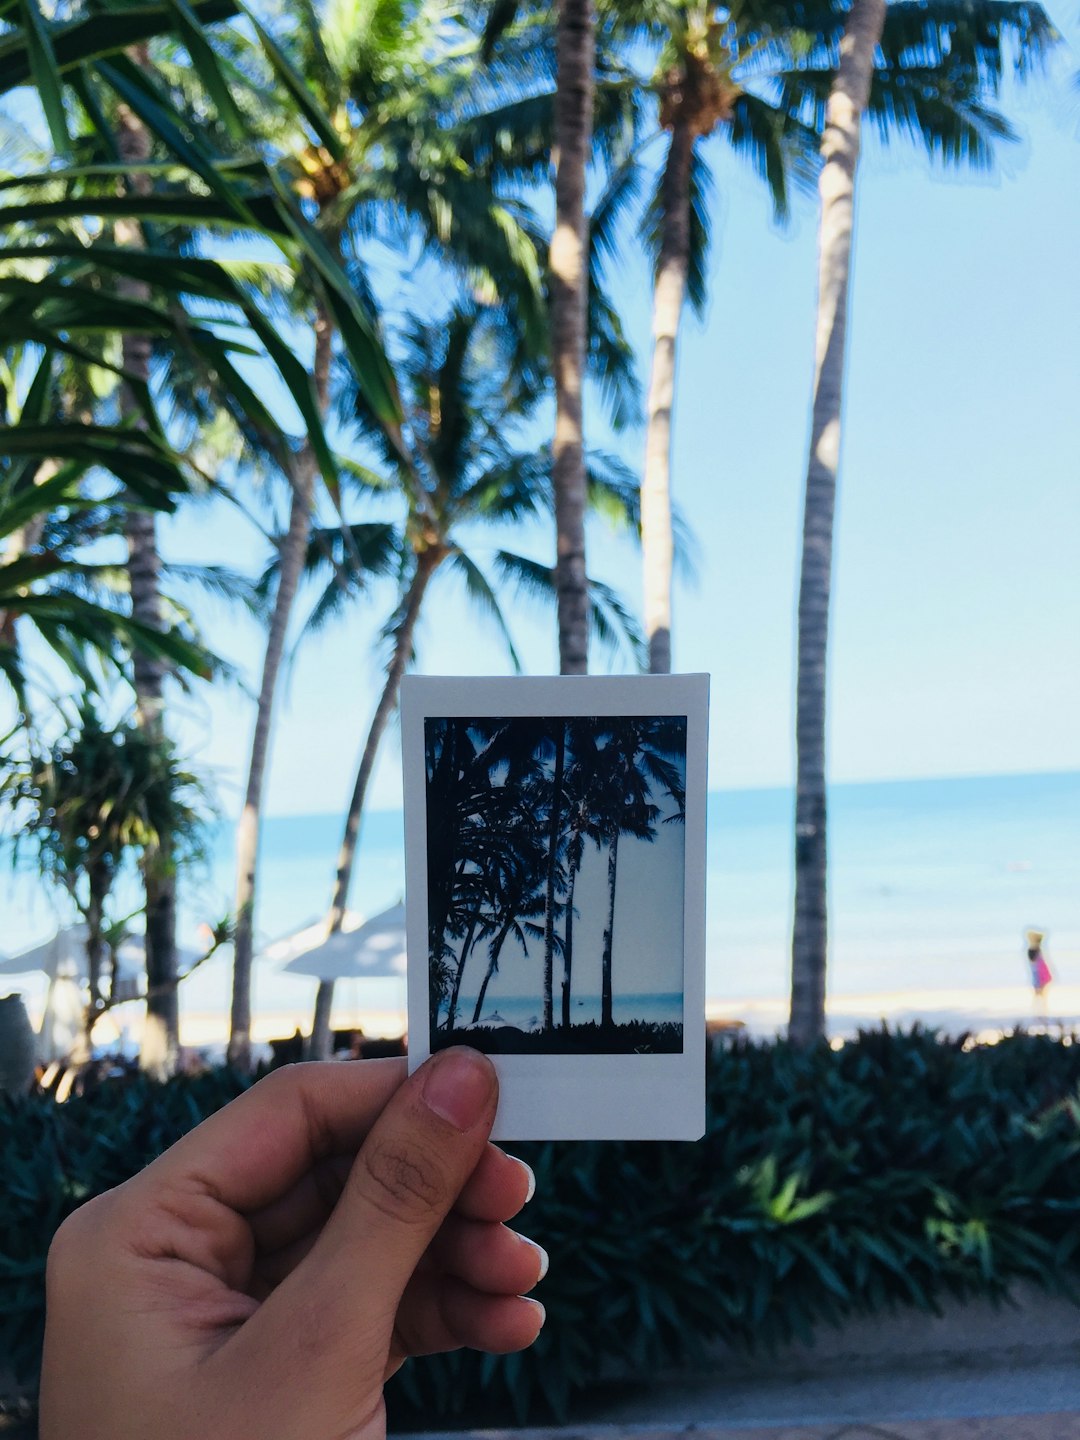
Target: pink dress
1040,972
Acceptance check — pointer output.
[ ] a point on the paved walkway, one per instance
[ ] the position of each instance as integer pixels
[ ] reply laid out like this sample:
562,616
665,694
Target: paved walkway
1000,1427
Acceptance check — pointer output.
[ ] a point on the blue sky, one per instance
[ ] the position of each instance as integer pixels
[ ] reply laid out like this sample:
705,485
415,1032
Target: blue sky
956,636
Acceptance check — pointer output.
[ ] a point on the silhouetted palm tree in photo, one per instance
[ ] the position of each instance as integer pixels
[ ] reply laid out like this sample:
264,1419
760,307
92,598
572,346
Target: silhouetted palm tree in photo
520,896
582,824
642,758
554,824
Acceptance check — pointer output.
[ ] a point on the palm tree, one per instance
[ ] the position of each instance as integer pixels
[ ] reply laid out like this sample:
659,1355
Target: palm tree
555,814
461,460
52,584
581,824
523,904
641,758
388,157
576,51
950,64
709,75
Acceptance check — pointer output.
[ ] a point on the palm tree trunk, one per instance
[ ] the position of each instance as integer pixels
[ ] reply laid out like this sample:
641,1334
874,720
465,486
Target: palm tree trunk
553,860
493,965
451,1009
160,1048
320,1025
95,954
426,564
293,550
668,293
840,152
609,933
576,44
568,937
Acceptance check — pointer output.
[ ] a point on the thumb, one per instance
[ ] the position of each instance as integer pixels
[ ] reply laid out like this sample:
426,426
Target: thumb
410,1170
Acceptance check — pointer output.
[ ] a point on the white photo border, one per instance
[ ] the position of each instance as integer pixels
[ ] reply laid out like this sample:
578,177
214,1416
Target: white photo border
572,1097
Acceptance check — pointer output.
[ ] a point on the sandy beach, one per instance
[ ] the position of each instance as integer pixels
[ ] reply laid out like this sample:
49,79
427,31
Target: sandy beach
986,1014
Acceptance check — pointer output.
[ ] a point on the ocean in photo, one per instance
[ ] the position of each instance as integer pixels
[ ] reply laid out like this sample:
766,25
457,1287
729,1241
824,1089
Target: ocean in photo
523,1011
932,883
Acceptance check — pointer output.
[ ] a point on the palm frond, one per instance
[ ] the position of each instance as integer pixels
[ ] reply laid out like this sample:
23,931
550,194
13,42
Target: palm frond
479,590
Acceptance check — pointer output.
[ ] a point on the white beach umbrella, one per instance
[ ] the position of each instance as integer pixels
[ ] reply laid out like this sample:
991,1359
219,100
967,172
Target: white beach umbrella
63,959
64,955
361,950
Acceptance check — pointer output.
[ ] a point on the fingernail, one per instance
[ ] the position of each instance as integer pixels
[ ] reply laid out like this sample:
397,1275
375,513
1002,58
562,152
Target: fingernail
532,1178
458,1087
541,1252
543,1313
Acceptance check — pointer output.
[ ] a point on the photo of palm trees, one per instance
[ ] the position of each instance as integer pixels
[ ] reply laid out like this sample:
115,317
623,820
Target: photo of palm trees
556,874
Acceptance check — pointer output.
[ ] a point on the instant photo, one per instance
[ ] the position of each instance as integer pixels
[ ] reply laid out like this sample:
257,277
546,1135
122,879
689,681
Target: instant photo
555,858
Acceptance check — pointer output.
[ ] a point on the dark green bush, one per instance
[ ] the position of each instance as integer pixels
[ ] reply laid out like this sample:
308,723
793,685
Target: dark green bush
897,1171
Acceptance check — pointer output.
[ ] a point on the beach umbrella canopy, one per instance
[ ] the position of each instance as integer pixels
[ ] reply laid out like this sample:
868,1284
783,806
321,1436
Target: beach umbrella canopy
361,950
64,954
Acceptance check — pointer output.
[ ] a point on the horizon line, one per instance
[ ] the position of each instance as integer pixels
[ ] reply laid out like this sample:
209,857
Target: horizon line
786,788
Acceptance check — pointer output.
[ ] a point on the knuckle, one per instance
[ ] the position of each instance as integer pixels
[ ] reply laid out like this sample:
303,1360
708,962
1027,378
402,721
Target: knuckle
403,1181
76,1239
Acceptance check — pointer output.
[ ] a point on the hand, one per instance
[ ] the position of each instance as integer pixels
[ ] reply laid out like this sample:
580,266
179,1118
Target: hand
265,1276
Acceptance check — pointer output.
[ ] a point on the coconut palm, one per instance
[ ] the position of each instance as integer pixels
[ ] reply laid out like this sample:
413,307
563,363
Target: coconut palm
48,521
463,460
399,156
709,76
582,824
576,50
950,65
641,759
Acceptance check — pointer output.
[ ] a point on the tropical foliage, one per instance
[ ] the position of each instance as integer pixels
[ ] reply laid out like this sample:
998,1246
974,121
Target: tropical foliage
90,805
831,1185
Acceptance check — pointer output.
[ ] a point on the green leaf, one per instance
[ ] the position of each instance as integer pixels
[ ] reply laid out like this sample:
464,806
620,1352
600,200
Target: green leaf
371,367
135,87
50,87
296,86
97,36
206,63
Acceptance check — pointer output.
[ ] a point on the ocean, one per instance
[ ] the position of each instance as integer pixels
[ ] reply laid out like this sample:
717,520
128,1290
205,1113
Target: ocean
932,883
523,1011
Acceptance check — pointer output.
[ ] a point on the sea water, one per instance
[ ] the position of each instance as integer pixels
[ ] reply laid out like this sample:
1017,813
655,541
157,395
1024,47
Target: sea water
523,1011
932,883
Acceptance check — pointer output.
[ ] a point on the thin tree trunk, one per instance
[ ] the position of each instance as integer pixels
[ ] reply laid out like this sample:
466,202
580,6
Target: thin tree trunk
569,281
840,152
668,294
160,1048
609,933
466,946
553,860
568,937
293,551
320,1025
95,954
426,564
493,965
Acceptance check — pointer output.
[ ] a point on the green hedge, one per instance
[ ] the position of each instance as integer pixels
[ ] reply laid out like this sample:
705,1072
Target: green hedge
898,1170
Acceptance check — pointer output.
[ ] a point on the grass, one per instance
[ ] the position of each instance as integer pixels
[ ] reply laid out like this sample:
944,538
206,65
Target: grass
635,1037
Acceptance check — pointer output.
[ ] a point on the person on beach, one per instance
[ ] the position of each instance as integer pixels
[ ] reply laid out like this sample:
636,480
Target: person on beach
263,1278
1040,970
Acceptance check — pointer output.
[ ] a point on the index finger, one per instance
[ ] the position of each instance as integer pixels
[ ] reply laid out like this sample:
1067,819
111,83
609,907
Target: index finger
260,1145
